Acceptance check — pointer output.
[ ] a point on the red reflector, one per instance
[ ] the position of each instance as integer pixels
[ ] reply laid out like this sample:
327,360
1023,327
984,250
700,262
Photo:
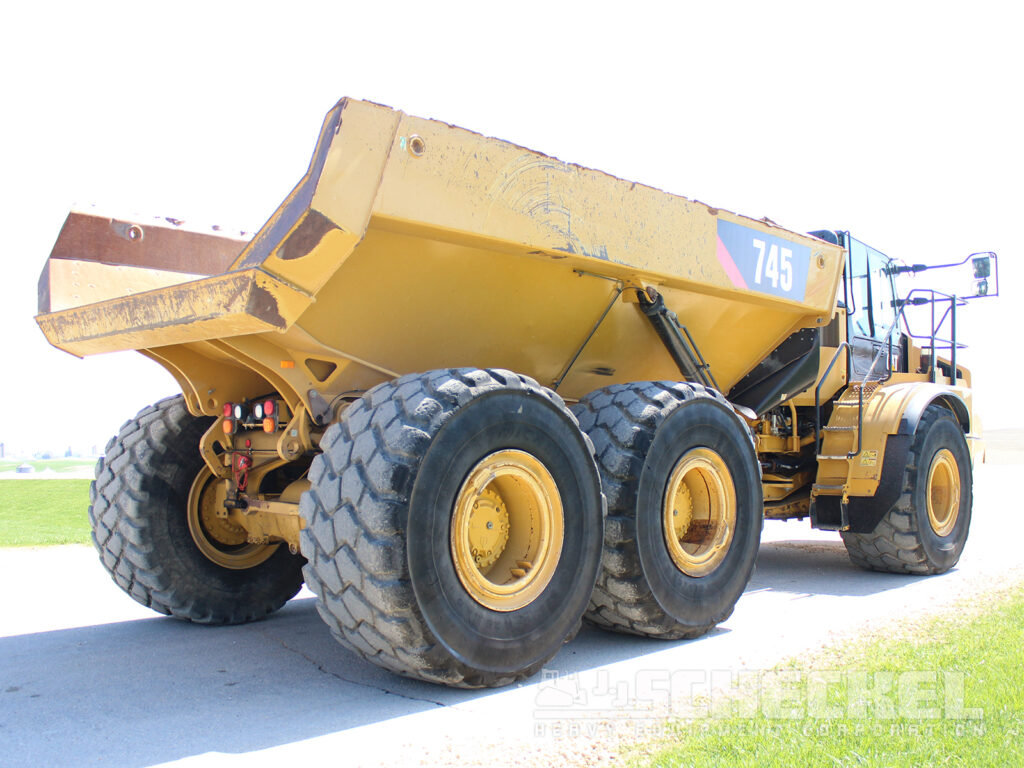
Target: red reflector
229,426
269,425
228,408
268,408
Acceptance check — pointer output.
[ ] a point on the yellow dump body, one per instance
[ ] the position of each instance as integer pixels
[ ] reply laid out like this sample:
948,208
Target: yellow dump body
411,245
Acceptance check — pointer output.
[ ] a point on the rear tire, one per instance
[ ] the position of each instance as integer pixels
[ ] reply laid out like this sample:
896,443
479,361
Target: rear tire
140,527
926,529
667,449
426,486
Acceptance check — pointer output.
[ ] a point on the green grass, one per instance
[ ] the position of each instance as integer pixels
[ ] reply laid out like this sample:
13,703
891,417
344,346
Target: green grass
41,512
984,652
57,465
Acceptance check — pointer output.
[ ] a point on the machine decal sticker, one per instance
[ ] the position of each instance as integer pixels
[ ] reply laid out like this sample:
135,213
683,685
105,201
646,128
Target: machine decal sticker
757,261
730,266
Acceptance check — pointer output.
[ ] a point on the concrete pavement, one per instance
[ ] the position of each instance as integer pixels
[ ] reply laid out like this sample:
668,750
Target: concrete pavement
88,677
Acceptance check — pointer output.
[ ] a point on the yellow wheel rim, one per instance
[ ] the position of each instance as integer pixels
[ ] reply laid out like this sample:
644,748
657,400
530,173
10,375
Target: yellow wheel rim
943,492
507,530
699,512
220,540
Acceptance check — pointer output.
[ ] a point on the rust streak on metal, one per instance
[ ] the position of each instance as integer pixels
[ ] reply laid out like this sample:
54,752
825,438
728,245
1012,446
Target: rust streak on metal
161,245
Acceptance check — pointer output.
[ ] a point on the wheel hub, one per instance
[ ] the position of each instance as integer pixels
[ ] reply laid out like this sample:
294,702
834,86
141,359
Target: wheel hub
507,530
218,538
943,492
682,511
220,529
488,529
699,512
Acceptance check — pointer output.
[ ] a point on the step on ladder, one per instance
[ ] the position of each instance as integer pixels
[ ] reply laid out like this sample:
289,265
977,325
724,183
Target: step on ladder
847,419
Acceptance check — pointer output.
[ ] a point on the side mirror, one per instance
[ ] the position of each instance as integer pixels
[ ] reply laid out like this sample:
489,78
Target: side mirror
986,275
984,279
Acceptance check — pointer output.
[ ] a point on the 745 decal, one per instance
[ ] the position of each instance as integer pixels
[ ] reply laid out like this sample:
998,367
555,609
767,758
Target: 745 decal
757,261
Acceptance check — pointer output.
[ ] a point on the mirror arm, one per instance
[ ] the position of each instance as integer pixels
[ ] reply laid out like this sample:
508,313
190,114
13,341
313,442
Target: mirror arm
915,268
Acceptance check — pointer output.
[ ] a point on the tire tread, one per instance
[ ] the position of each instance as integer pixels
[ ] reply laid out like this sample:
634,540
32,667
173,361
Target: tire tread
354,537
895,546
621,420
134,477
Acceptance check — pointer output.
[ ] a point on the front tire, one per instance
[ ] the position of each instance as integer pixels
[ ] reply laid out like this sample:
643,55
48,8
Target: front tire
149,527
453,527
683,484
926,529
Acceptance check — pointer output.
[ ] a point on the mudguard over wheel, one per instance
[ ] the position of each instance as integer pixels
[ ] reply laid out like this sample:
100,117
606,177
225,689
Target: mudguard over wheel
683,485
453,527
155,533
925,530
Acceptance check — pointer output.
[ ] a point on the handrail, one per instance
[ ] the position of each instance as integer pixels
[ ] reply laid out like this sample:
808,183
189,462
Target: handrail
933,297
817,395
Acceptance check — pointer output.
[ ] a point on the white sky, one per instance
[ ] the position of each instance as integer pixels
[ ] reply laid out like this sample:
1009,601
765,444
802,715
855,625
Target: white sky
901,122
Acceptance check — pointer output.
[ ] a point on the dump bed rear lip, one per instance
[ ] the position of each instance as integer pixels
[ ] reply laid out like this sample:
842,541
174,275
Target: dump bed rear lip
161,244
232,304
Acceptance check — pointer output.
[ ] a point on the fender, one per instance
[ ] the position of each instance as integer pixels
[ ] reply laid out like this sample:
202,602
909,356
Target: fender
891,417
924,395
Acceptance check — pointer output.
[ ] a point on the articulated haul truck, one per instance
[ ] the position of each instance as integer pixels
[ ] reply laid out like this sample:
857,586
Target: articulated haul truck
471,395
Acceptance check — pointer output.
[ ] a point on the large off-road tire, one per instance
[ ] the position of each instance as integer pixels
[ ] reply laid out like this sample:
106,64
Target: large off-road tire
453,527
140,515
924,532
683,484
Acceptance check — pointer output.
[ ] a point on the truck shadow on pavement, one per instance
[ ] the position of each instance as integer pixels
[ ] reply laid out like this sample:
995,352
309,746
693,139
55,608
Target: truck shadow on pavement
819,567
141,692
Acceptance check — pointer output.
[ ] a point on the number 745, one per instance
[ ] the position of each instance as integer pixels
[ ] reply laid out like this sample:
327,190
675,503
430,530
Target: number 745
778,267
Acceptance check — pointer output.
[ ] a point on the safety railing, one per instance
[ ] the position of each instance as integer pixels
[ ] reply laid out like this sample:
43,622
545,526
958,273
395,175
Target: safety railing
935,344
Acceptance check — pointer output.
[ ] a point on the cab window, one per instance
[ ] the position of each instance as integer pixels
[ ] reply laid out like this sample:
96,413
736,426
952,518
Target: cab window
871,292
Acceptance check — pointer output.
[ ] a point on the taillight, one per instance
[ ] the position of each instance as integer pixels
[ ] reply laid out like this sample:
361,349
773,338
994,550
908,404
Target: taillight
229,425
263,415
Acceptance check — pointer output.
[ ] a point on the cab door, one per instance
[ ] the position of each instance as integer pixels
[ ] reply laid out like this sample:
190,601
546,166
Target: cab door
871,311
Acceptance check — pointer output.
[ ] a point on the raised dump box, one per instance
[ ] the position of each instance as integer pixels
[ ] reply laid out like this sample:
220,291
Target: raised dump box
412,245
374,401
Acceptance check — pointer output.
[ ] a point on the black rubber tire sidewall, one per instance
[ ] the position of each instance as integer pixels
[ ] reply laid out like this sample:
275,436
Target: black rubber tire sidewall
943,552
176,549
479,637
705,600
139,516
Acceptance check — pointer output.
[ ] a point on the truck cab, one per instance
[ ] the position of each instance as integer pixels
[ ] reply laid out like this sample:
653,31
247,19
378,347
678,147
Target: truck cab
886,369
